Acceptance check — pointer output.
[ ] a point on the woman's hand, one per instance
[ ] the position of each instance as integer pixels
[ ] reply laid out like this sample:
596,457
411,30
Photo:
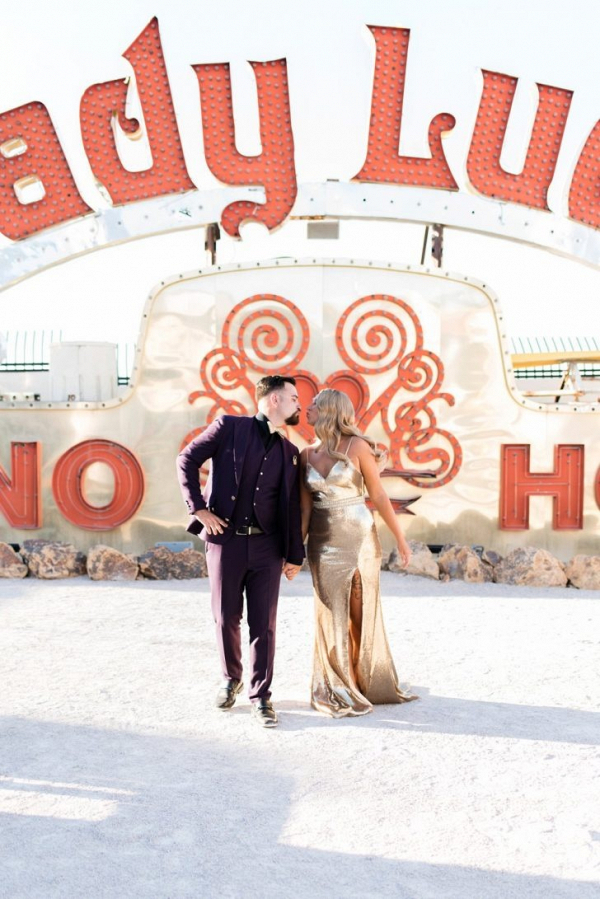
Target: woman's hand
404,552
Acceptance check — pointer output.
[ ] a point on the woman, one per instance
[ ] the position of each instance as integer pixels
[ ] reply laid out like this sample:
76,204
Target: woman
353,667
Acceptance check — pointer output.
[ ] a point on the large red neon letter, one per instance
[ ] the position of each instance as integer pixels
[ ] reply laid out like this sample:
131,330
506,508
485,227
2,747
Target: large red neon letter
483,163
36,185
20,497
274,167
564,484
583,194
68,482
383,162
168,173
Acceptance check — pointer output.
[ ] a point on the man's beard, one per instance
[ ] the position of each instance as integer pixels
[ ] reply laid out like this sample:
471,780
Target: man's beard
293,419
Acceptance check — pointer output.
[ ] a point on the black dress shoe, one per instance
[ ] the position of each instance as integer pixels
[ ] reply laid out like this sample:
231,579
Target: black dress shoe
228,694
264,713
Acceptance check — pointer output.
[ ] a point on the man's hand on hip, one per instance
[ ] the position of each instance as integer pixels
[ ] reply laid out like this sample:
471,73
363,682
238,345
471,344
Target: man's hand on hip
290,570
212,522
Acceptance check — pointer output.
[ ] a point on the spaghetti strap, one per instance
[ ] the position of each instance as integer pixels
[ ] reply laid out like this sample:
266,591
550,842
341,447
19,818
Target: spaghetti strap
348,447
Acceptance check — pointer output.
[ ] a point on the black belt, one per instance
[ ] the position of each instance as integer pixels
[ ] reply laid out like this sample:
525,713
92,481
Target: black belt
248,530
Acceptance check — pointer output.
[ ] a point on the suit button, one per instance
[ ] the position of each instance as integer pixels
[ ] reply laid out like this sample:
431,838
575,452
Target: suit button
233,497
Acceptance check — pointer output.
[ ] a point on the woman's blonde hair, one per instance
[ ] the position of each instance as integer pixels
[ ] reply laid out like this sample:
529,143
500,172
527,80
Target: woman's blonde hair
336,419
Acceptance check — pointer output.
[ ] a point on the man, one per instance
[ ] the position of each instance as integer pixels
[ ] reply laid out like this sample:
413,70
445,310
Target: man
249,517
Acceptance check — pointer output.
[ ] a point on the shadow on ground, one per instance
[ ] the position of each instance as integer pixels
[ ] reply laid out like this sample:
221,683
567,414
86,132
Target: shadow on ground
467,717
95,813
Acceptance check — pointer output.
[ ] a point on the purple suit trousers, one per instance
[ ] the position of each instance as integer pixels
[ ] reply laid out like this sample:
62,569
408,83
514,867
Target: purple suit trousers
250,564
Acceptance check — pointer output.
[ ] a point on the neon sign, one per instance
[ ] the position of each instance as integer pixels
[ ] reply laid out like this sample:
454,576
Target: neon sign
37,189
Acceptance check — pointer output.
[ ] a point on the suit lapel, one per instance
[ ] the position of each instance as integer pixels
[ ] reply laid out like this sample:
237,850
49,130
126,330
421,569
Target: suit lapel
289,455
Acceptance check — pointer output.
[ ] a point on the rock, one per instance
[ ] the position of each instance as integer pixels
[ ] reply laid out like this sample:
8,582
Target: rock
421,562
11,562
48,559
584,572
448,546
491,558
107,564
531,567
462,563
162,564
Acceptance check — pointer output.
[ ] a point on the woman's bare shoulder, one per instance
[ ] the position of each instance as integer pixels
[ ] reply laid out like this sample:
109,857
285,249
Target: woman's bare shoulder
360,446
362,452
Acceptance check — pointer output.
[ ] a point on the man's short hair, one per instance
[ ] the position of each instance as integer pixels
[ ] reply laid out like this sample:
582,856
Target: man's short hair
270,383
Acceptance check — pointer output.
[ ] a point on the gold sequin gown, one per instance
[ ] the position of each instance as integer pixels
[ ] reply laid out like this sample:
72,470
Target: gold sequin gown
353,667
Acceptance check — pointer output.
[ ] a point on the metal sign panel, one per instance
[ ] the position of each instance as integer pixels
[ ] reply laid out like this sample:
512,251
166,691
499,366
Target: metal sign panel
421,353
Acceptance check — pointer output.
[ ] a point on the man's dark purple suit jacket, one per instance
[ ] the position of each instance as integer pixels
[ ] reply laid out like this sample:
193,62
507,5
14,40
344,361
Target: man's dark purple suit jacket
225,442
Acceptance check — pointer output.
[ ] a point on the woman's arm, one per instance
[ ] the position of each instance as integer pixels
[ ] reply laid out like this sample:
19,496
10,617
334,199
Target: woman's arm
305,495
365,460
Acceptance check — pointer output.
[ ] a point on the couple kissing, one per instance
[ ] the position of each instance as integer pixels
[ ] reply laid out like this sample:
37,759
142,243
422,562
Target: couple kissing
262,500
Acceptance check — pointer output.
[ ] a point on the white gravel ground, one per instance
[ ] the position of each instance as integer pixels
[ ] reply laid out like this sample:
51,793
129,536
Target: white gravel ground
118,779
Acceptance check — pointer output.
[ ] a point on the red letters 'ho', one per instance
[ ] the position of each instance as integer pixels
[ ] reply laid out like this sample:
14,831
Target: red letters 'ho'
564,484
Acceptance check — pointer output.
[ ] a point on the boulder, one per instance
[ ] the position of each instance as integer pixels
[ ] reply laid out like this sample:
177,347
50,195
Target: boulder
49,559
162,564
448,546
462,563
531,567
490,557
107,564
421,562
584,572
11,562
